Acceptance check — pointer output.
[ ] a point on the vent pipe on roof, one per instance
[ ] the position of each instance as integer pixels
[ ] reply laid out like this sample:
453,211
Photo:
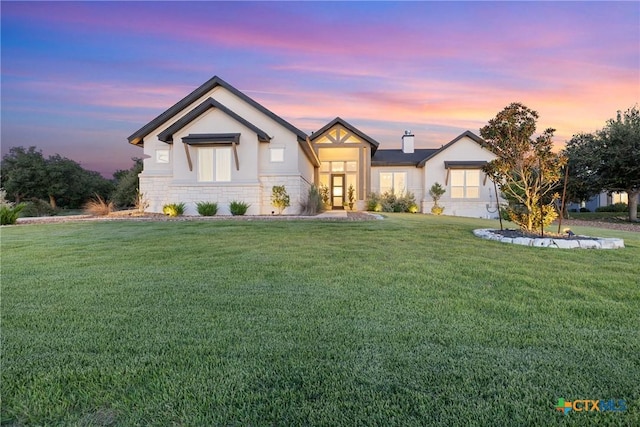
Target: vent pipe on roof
407,142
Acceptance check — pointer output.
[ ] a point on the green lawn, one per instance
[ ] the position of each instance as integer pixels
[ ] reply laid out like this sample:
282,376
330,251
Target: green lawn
407,321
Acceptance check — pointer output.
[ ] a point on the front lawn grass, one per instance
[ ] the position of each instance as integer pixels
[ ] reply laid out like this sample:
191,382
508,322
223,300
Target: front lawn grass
407,321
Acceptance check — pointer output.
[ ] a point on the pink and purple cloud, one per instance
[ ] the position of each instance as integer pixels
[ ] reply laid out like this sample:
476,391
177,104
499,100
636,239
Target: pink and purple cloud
79,77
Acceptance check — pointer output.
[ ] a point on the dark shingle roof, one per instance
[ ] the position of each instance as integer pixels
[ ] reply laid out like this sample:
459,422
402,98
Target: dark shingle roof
398,158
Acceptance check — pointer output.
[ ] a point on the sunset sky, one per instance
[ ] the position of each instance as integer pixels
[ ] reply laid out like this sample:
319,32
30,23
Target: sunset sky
79,77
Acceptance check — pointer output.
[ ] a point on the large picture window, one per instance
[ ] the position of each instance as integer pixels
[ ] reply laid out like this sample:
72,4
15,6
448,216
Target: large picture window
393,182
214,164
465,183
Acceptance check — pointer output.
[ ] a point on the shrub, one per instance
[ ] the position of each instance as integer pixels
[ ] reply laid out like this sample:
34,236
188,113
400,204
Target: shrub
279,198
519,215
584,210
9,213
140,203
238,208
351,194
436,191
98,206
314,202
373,203
37,207
324,193
389,202
618,207
174,209
207,208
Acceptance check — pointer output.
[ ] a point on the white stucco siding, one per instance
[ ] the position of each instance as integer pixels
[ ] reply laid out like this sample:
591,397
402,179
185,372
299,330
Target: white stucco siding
434,171
174,182
414,178
216,121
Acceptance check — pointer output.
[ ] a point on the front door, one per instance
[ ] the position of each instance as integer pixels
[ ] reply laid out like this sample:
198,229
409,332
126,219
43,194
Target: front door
337,191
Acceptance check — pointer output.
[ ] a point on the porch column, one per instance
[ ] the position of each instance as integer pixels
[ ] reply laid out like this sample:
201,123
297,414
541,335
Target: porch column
361,174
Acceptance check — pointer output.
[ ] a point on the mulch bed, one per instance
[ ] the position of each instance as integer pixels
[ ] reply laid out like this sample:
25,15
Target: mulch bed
136,216
519,233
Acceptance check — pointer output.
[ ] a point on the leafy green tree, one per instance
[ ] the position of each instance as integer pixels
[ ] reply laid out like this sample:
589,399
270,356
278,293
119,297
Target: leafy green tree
24,174
526,167
582,183
619,156
127,184
609,159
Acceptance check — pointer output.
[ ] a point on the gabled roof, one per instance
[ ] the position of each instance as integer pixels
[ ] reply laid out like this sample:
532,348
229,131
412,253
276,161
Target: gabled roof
167,134
339,121
399,158
467,134
137,138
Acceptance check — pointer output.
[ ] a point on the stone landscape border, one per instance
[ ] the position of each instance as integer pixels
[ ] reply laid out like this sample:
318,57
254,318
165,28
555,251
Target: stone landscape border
577,242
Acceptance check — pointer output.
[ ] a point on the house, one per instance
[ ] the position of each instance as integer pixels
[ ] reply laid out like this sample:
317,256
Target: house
602,199
218,144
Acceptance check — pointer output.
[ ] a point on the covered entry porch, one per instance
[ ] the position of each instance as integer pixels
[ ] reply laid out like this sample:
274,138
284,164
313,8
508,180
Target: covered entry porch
345,170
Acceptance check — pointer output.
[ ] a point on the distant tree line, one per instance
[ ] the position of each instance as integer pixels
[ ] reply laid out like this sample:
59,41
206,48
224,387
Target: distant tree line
28,176
607,160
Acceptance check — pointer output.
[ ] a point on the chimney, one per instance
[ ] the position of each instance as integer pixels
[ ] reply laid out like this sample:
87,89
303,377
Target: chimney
407,142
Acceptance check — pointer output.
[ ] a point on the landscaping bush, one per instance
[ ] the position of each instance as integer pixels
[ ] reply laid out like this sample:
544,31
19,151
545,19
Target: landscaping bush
313,204
174,209
389,202
279,198
37,207
324,194
9,214
584,210
373,203
238,208
98,206
207,208
618,207
436,192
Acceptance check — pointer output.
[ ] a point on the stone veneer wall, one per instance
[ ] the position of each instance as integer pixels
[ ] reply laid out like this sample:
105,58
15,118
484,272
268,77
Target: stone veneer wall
476,209
155,189
159,190
297,188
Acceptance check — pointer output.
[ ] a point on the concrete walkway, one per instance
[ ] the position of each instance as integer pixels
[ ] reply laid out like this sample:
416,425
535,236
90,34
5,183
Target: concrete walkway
332,214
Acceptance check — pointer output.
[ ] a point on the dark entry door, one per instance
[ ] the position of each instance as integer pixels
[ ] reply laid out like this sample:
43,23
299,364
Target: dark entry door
337,191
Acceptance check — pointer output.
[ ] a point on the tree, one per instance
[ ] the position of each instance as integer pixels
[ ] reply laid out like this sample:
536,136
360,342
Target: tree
525,168
583,180
70,185
127,184
24,174
611,156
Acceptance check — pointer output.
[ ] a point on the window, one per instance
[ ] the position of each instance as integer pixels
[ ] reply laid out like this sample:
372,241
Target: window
337,166
465,183
223,164
393,182
214,163
162,156
276,155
